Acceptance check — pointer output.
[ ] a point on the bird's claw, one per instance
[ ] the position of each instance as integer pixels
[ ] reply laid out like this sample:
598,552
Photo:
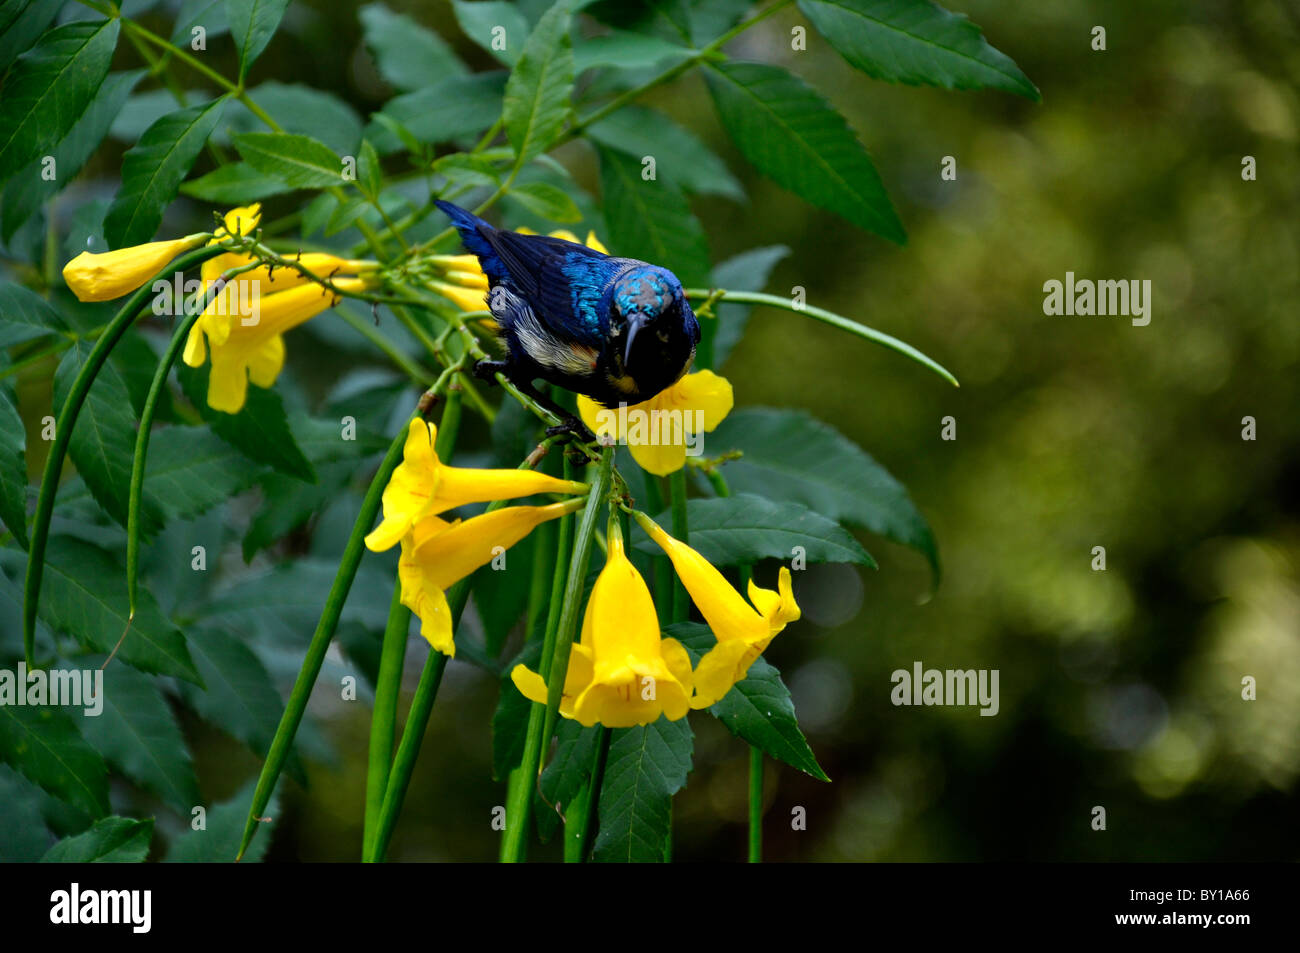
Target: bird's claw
572,425
486,370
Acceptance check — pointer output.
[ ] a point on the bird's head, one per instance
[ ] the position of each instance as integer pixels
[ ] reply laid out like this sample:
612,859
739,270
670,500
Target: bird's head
653,328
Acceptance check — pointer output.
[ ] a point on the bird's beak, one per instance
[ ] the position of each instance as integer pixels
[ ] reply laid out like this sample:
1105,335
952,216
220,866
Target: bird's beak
634,324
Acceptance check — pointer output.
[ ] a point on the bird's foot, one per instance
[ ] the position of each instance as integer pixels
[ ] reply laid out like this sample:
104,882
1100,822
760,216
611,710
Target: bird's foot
571,425
486,370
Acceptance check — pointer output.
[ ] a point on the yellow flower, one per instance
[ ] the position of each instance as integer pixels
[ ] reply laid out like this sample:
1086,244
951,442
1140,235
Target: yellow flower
253,349
112,274
621,673
742,631
422,486
436,554
657,430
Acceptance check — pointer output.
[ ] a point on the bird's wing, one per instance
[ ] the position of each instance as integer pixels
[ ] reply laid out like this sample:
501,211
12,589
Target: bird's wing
561,281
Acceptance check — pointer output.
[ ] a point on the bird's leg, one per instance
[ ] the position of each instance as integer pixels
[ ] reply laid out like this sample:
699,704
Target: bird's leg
569,423
486,370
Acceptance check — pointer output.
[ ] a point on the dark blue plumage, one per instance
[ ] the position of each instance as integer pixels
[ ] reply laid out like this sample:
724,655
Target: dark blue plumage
615,329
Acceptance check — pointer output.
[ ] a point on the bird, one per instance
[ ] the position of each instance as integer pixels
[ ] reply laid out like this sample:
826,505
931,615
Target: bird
617,330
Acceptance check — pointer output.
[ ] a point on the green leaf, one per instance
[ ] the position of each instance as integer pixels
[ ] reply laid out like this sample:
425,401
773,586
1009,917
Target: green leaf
628,51
566,774
239,697
546,200
501,595
29,189
463,168
190,470
103,442
510,719
26,836
209,14
300,109
791,456
13,470
137,734
479,20
915,42
50,87
21,25
680,157
218,841
153,170
235,184
370,174
538,90
651,219
758,709
260,431
455,108
25,315
792,134
85,597
747,271
42,743
408,55
288,503
647,765
111,840
252,24
296,160
743,528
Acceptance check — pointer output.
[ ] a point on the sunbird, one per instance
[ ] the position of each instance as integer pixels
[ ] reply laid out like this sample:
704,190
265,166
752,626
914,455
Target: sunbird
615,329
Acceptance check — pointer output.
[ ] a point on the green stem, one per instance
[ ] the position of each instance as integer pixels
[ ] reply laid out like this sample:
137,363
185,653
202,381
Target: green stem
368,331
54,349
579,830
681,529
755,805
831,318
320,641
541,720
659,564
383,721
63,433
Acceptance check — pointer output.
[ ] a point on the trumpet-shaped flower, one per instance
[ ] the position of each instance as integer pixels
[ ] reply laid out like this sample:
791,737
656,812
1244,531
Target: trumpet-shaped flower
254,348
658,430
436,553
621,673
423,486
112,274
743,631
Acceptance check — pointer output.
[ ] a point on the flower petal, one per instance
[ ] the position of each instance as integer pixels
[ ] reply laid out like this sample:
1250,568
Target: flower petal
658,458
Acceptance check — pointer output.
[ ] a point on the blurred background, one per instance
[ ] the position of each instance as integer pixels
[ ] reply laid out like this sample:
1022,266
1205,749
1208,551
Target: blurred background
1119,688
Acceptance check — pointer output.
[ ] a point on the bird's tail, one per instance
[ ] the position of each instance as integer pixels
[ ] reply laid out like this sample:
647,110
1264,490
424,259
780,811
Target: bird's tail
474,234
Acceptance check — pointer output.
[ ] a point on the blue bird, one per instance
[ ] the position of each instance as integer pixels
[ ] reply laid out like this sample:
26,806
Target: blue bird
615,329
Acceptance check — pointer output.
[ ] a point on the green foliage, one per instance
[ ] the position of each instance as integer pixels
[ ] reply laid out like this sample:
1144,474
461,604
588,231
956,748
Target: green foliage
252,24
537,92
111,840
43,743
298,161
647,765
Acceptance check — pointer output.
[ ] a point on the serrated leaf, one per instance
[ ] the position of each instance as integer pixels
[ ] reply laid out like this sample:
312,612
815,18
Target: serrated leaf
296,160
566,774
29,189
481,20
651,219
111,840
84,596
786,129
50,87
235,184
450,110
25,315
138,735
747,271
42,743
789,455
537,92
103,440
408,55
218,841
153,170
190,470
758,709
26,837
744,528
646,766
679,156
546,200
13,470
252,24
260,430
629,51
239,697
288,503
915,42
23,26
